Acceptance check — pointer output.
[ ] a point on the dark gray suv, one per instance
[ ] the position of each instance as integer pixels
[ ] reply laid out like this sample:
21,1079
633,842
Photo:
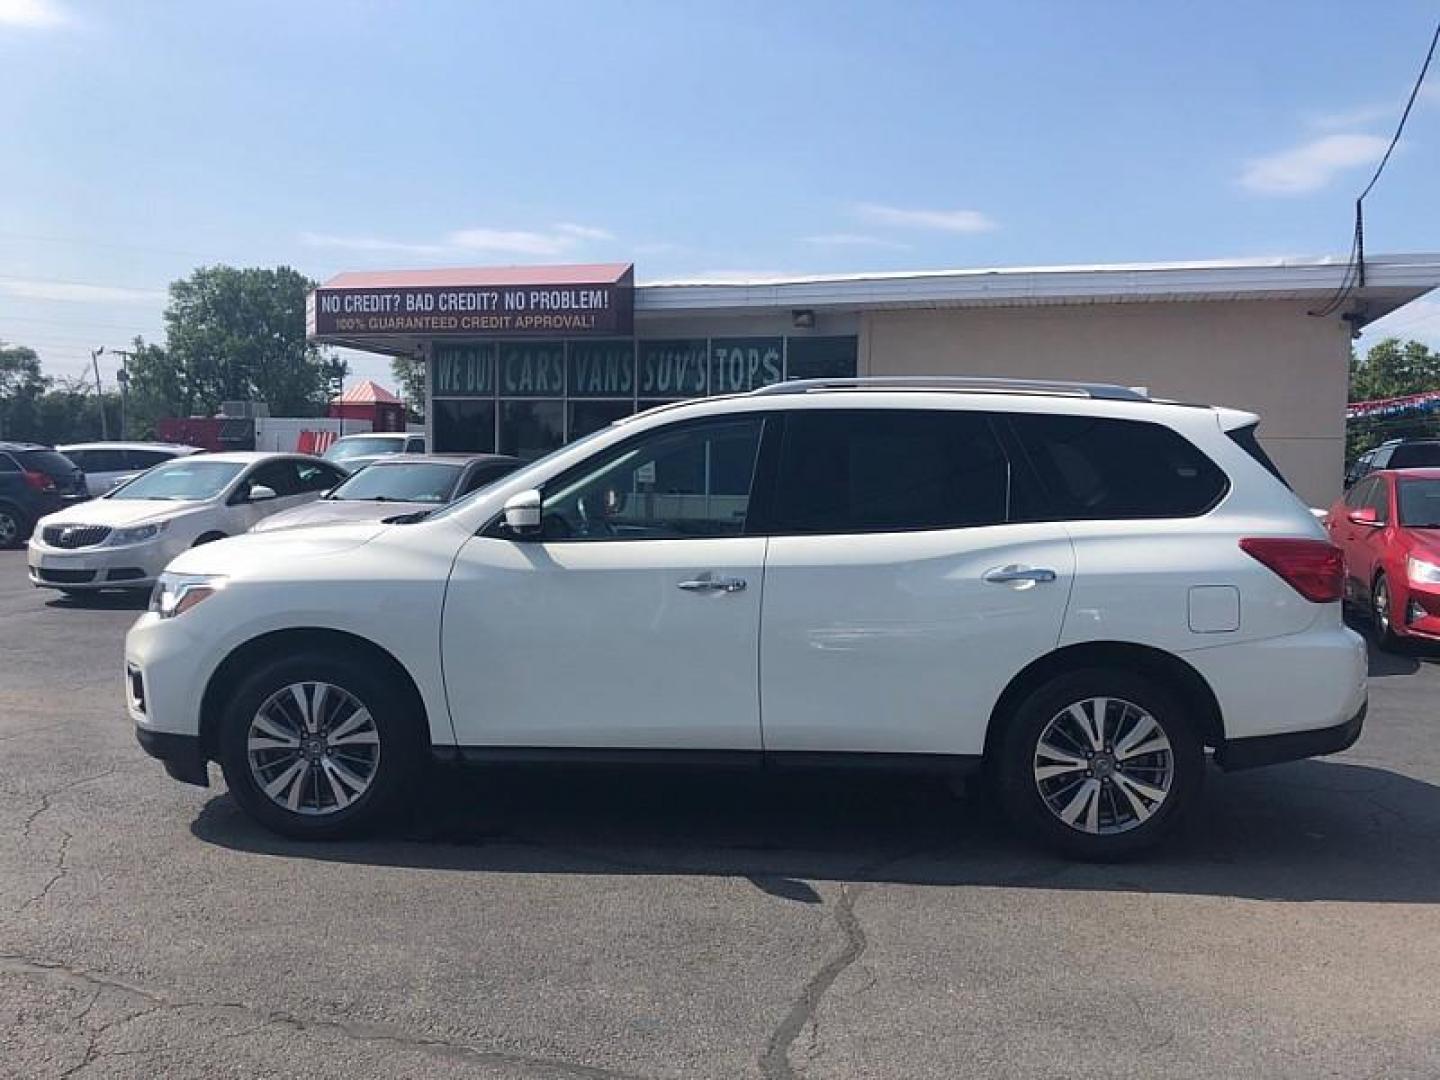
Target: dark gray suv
34,481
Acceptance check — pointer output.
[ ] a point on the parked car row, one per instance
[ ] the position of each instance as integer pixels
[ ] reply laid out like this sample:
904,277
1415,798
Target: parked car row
37,480
125,538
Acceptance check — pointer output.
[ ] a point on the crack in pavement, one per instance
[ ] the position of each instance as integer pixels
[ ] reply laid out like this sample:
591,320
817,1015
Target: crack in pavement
59,865
16,964
775,1062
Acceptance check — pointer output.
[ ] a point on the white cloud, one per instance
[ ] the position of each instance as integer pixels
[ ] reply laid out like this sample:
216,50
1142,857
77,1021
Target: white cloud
556,241
368,243
69,291
1380,112
853,240
1312,165
583,232
959,221
34,14
513,241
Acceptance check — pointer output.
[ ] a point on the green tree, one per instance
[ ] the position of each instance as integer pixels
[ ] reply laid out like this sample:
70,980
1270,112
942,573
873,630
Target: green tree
237,334
409,373
21,386
1391,368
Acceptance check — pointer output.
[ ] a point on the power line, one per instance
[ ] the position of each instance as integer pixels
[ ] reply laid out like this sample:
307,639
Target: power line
1356,274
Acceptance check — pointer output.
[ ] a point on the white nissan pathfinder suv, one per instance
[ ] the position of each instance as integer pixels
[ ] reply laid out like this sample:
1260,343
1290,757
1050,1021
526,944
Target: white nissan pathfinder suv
1075,587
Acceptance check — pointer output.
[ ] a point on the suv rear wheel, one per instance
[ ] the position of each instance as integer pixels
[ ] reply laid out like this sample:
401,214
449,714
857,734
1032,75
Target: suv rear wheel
317,746
1099,764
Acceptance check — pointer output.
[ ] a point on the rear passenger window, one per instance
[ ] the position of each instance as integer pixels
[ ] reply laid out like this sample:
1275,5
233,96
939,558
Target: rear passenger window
1423,455
857,470
146,459
1093,467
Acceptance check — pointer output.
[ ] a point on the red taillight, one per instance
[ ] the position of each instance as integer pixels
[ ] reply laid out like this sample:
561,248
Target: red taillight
39,481
1313,568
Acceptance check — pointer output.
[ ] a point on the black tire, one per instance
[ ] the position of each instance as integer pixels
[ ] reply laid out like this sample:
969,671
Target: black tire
1382,617
14,526
401,737
208,538
1019,786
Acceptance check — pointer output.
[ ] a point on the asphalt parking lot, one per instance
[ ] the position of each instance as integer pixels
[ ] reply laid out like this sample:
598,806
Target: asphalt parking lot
564,924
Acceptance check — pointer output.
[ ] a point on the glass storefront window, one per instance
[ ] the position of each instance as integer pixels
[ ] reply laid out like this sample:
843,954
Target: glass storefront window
602,369
532,369
529,429
820,358
673,369
588,416
741,364
464,426
465,371
588,384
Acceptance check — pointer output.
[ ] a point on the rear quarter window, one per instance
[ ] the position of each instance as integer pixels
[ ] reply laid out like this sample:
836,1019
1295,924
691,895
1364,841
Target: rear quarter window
46,461
1084,467
1415,456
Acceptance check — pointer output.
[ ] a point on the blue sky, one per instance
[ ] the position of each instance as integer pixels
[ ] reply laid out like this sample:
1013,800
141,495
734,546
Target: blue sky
138,140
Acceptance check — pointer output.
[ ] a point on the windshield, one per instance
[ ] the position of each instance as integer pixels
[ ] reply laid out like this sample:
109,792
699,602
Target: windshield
348,448
529,470
423,481
183,481
1420,503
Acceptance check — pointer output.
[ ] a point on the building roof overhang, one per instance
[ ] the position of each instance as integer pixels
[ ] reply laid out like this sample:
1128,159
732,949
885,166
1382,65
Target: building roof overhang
1391,281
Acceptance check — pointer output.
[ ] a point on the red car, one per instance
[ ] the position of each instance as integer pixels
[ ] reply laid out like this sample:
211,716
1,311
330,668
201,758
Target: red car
1388,526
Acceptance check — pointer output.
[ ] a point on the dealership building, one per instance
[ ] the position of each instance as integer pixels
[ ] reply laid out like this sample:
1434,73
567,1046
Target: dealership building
522,359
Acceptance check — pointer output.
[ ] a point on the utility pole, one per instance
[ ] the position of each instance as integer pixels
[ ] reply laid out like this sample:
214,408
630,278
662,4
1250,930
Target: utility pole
100,391
123,377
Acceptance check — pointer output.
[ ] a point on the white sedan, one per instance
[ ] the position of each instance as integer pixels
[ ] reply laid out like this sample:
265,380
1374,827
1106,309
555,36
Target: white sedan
125,538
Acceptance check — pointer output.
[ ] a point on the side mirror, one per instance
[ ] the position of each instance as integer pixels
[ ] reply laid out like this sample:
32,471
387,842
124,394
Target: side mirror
1364,515
260,493
522,512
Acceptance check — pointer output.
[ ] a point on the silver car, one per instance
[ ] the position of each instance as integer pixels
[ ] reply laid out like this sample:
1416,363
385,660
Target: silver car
107,465
395,486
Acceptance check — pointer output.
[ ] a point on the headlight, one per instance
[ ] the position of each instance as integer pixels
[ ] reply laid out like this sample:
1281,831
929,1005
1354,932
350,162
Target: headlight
1422,572
175,594
139,534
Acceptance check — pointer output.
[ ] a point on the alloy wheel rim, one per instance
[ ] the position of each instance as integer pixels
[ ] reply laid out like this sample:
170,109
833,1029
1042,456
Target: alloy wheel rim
9,528
1103,765
313,748
1382,604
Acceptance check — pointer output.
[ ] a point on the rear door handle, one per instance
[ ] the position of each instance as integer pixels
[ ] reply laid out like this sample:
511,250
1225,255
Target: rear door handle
1002,575
708,582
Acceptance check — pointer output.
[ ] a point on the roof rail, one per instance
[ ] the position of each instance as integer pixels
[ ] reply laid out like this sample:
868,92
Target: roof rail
957,384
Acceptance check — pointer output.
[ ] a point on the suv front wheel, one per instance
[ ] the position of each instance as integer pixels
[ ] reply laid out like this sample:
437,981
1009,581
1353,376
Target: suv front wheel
317,746
1099,764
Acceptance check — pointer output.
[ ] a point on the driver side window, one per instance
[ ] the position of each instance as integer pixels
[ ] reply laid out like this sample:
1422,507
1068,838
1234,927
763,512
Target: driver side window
677,483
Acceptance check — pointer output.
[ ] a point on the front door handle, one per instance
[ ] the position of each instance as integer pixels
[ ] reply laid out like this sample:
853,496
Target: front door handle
1002,575
708,582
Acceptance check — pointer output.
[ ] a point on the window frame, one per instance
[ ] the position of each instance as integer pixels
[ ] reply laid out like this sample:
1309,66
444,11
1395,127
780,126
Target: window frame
761,481
768,507
1020,457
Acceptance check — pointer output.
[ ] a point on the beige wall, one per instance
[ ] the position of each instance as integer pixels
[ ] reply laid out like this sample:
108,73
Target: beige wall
1268,357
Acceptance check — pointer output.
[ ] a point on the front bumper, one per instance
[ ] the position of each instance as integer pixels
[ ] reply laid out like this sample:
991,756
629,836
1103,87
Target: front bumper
180,754
134,566
1291,745
1418,611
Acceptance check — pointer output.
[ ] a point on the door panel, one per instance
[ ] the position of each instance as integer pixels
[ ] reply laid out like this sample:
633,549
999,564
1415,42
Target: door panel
896,642
595,644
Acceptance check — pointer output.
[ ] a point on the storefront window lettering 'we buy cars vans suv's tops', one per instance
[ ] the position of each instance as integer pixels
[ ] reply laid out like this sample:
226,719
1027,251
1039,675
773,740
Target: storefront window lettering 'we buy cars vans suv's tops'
1084,589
